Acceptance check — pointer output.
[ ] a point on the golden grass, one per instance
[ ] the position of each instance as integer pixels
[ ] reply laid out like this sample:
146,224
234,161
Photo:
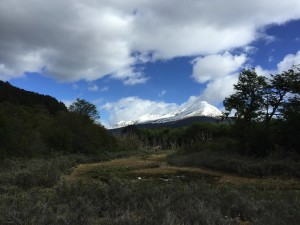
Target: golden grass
82,170
155,165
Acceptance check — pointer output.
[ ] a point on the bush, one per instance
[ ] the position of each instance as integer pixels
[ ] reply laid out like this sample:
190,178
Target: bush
128,143
117,201
211,156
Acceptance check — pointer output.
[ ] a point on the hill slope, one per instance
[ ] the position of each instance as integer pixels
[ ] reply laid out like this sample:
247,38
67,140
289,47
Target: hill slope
32,124
9,93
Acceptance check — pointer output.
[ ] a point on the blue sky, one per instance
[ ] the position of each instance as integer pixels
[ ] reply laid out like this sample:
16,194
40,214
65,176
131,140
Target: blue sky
143,56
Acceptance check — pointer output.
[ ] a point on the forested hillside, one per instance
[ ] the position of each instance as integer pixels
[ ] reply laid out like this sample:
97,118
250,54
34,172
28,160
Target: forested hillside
9,93
32,124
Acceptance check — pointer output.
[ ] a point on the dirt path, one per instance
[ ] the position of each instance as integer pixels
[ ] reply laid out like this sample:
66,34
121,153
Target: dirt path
154,166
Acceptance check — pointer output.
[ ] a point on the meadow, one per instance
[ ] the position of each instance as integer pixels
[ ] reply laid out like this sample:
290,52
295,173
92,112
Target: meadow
140,187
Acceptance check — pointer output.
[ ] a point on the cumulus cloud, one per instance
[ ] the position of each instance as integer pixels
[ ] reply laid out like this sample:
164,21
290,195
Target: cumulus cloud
221,83
220,73
285,64
131,108
216,66
264,72
68,40
289,61
218,89
71,40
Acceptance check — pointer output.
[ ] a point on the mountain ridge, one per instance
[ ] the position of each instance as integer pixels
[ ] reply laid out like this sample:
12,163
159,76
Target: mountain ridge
193,109
12,94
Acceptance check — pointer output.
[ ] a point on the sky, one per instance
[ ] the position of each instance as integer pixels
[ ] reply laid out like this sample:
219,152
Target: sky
132,57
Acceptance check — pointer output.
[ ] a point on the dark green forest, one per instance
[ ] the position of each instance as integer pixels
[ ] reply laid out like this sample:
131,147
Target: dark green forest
33,125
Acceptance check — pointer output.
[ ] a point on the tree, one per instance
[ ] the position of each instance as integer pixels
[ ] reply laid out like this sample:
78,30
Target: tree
289,128
281,88
264,105
248,102
84,108
248,99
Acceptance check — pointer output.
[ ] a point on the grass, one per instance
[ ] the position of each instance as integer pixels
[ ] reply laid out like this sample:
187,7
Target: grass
281,165
143,189
154,166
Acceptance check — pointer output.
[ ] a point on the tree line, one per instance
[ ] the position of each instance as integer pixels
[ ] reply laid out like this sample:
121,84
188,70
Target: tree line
32,124
262,116
176,138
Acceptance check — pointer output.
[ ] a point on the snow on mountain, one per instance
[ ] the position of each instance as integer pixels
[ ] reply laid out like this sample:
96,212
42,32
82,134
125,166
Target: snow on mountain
197,108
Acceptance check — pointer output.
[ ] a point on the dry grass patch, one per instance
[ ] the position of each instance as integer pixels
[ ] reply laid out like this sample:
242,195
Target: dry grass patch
114,167
160,157
155,166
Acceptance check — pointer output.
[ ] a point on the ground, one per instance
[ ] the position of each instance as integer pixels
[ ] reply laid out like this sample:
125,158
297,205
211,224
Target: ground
155,166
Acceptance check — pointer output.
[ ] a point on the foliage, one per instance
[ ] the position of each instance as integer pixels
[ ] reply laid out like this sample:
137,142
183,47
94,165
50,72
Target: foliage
248,99
280,90
9,93
222,156
266,108
34,200
173,138
84,108
30,131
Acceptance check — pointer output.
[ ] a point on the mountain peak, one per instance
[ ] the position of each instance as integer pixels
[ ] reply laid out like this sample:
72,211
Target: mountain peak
191,109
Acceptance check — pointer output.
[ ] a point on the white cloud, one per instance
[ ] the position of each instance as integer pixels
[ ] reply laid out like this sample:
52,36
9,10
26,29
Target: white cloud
219,70
217,90
131,108
131,77
222,77
216,66
285,64
71,40
220,83
264,72
249,49
267,38
289,61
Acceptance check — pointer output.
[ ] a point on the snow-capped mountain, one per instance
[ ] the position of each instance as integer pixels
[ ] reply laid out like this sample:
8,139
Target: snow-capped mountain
197,108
